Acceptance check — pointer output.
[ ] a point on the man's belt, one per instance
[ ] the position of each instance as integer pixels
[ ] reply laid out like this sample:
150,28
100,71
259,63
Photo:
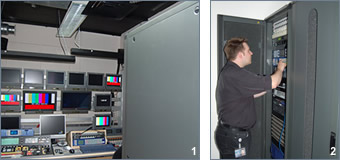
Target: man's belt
231,127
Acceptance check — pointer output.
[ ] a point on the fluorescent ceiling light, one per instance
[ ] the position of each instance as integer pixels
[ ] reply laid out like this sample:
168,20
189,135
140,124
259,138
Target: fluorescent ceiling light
72,19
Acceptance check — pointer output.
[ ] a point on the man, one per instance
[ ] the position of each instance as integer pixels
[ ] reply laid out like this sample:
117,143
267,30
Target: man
235,93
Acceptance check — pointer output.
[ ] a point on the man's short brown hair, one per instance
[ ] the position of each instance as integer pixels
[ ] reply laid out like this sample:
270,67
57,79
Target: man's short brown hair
233,46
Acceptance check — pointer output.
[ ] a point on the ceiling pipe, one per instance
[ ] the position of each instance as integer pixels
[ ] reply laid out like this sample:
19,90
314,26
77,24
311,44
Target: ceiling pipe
7,29
99,54
32,56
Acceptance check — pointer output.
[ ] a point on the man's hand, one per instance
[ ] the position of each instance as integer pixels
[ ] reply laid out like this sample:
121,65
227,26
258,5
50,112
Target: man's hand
282,64
260,94
277,76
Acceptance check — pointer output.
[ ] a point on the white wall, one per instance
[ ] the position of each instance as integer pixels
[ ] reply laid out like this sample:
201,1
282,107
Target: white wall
39,39
246,9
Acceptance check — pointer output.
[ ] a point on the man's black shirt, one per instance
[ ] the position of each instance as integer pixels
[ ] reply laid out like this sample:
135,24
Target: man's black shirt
235,95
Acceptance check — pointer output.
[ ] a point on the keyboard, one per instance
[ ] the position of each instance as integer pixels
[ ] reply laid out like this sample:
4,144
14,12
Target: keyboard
94,148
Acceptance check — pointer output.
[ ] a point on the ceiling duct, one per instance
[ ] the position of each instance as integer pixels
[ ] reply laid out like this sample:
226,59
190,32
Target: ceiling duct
53,4
110,9
115,18
73,19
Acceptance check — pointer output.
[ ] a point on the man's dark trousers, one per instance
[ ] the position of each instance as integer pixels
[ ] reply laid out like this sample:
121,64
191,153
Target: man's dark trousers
226,139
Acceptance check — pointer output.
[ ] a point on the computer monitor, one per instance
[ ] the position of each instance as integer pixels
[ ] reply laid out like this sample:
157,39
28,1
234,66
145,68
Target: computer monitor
75,101
95,80
39,100
113,81
33,78
11,78
54,125
101,121
76,80
102,102
10,122
10,102
55,80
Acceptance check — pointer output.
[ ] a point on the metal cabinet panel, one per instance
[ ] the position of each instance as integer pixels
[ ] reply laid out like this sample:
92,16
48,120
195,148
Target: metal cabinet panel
161,108
327,78
325,115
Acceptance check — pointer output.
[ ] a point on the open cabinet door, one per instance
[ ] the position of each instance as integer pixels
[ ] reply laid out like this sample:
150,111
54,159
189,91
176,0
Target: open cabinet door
253,30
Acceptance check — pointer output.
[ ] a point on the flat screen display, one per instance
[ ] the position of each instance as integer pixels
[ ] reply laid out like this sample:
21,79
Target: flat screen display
55,77
39,101
76,100
102,121
95,79
9,141
10,99
52,125
76,78
12,122
112,80
34,76
10,75
103,100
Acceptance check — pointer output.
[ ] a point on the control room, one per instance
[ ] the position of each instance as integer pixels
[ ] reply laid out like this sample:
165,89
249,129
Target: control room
97,79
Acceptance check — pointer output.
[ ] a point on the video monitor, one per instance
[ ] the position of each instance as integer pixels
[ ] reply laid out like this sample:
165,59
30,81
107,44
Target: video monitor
95,80
101,121
102,102
33,78
113,81
39,100
10,102
10,78
54,125
10,122
55,80
76,80
75,101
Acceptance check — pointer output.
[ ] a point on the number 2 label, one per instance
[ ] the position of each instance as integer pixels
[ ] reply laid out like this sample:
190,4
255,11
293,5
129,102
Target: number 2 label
333,149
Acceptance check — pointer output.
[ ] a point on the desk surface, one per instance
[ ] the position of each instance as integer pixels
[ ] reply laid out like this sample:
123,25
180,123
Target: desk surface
68,156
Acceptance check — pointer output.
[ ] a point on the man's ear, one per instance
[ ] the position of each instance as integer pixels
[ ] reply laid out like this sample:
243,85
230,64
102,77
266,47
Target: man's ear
239,55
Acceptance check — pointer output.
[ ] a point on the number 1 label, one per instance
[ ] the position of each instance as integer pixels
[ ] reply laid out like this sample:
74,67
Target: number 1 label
194,151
